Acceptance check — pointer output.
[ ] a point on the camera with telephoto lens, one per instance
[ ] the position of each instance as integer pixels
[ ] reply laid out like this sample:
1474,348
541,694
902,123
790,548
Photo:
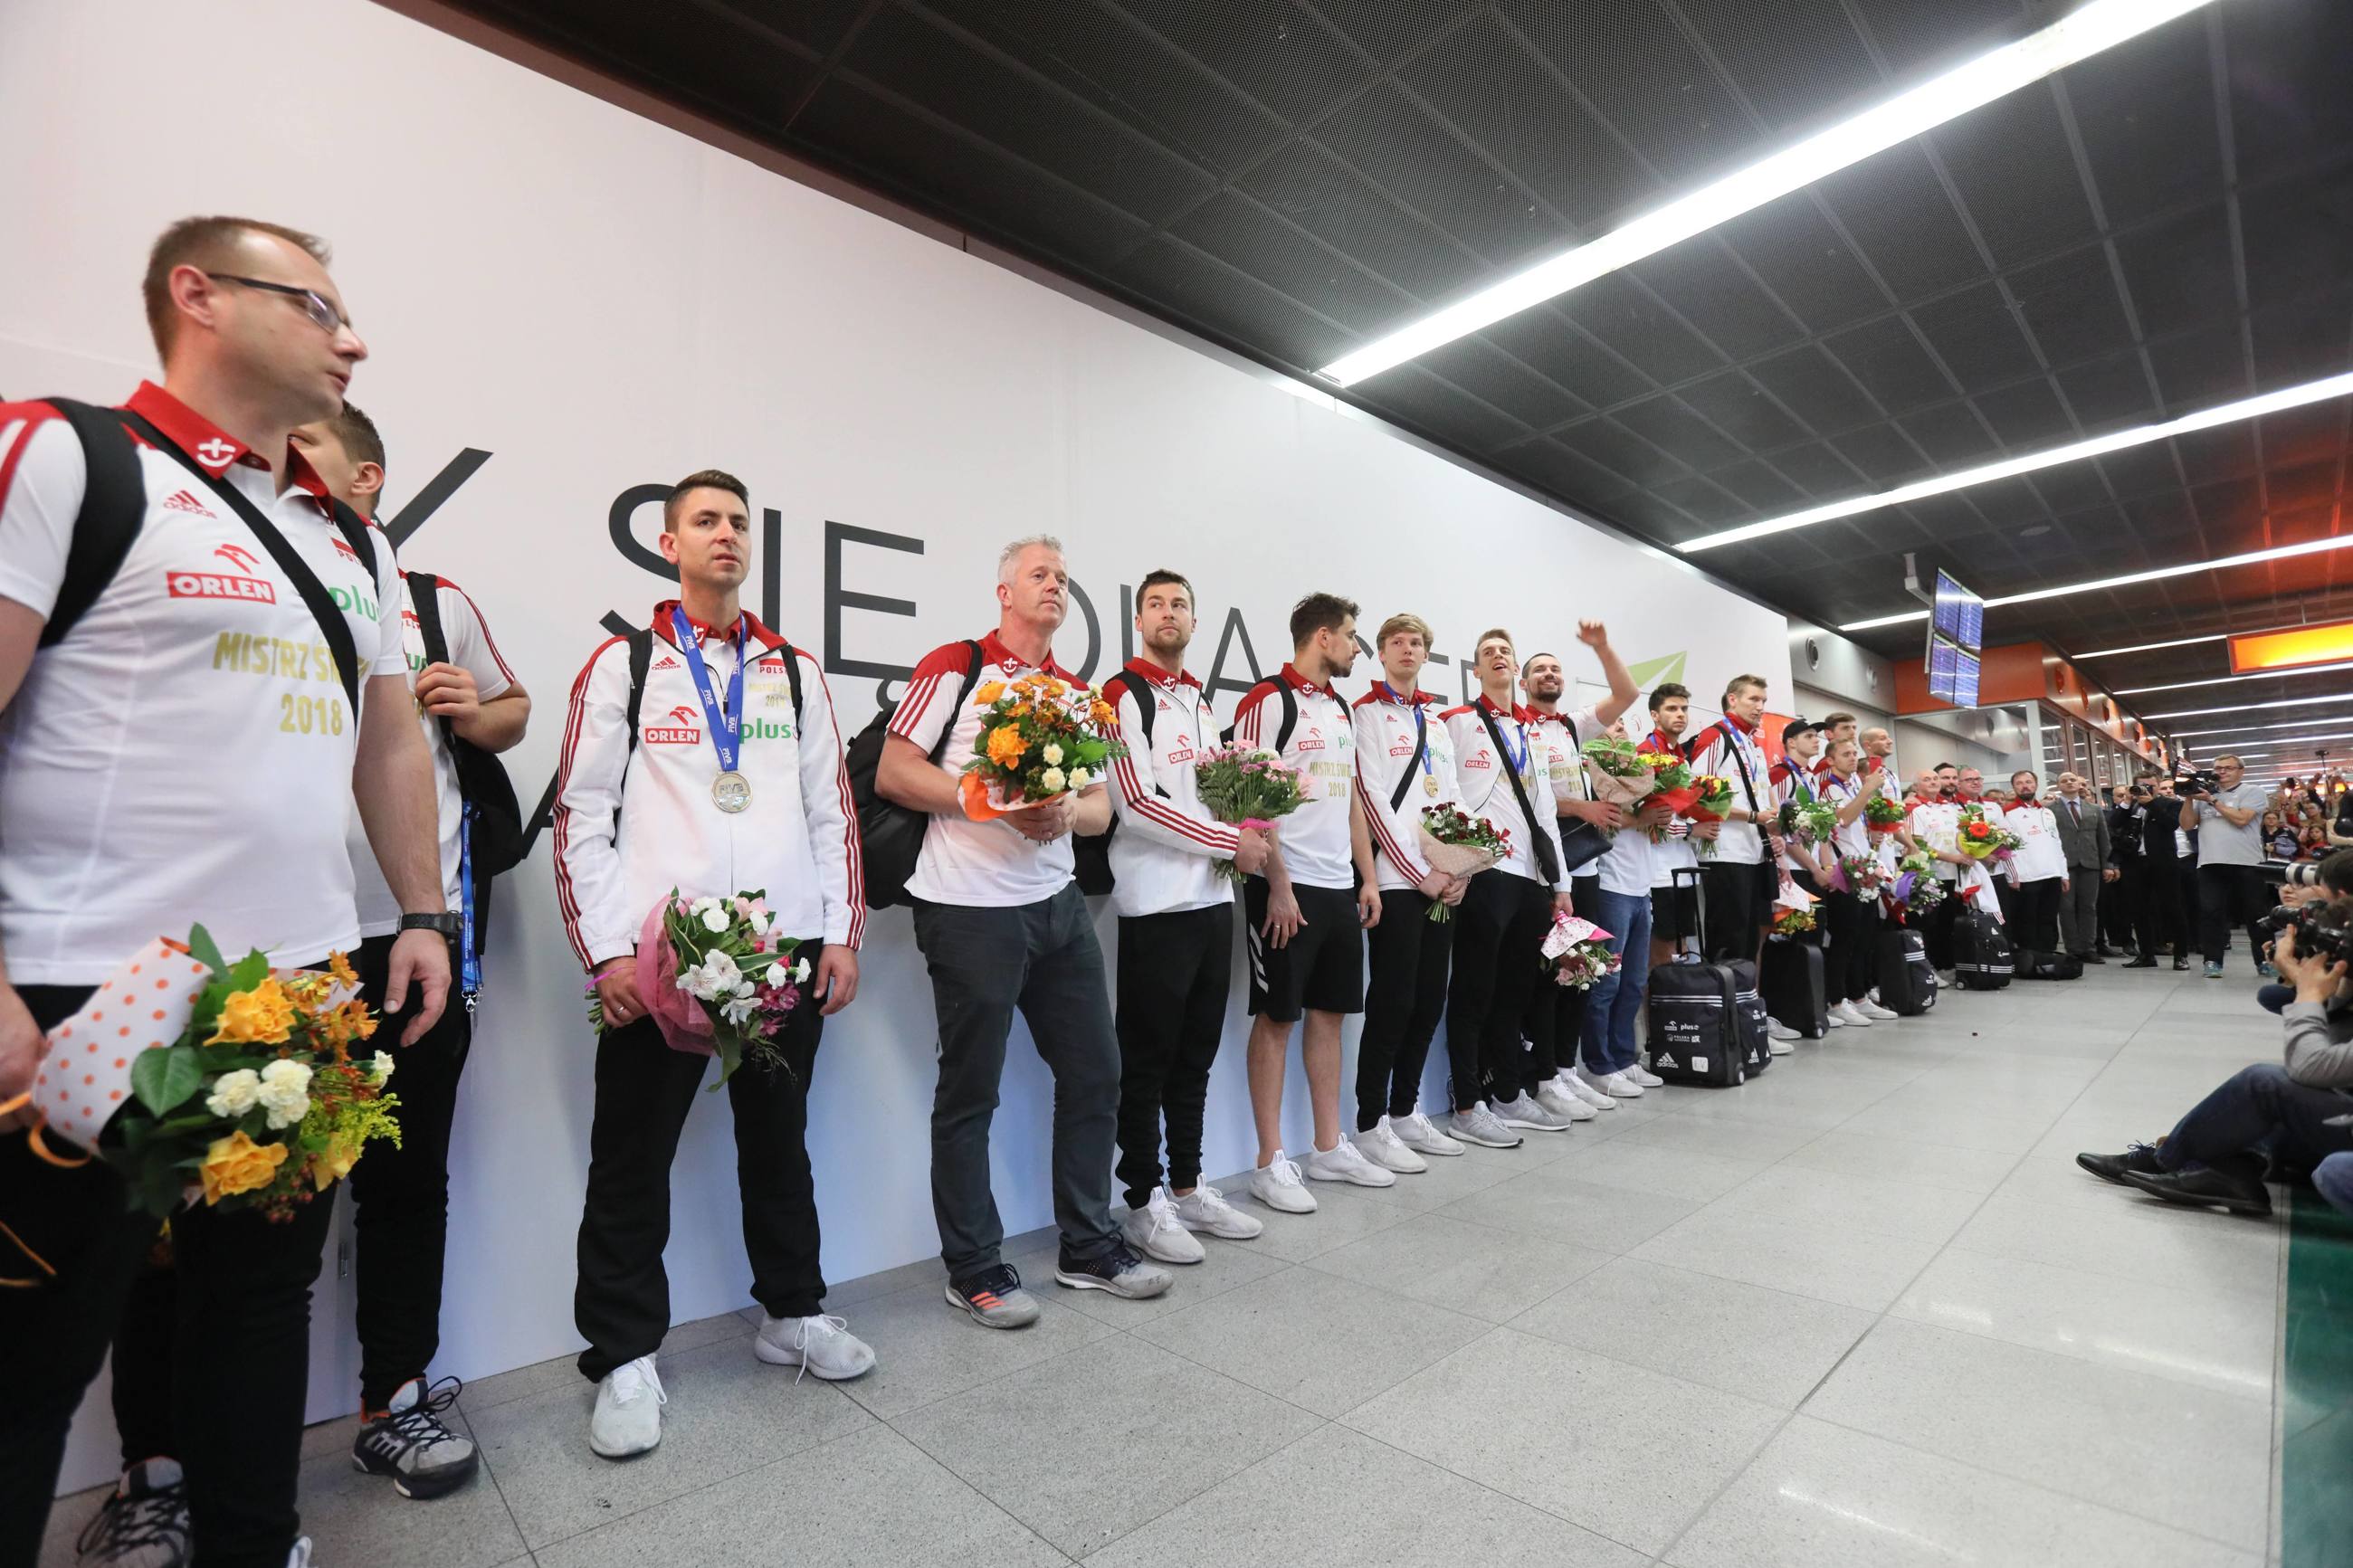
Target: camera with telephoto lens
2300,874
2318,934
2197,781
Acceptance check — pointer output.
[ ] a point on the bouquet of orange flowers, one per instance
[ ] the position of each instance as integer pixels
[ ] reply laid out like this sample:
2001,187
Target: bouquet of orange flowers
1043,737
235,1083
1982,838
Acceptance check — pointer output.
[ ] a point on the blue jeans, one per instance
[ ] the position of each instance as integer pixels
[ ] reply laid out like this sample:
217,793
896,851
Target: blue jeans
1608,1037
2259,1107
2334,1178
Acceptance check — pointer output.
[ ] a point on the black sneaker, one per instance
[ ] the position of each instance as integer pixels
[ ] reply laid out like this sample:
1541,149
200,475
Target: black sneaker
142,1523
2180,963
1119,1271
995,1299
2112,1167
410,1443
2209,1188
2143,962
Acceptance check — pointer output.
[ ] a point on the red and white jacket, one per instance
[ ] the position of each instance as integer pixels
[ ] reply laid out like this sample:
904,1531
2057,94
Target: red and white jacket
1386,742
1164,856
1487,792
632,824
1314,839
1727,749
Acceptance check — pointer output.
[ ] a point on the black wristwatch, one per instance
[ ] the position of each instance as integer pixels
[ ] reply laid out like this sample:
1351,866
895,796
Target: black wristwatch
447,924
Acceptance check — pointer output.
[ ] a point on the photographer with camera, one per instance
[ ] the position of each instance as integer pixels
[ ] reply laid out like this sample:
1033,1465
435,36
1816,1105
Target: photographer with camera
2214,1157
2227,812
2146,831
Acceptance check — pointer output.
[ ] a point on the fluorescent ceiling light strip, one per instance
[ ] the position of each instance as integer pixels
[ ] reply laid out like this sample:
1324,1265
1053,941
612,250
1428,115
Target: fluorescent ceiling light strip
2243,707
2242,730
2010,468
2101,584
2153,646
2090,28
2230,680
2271,740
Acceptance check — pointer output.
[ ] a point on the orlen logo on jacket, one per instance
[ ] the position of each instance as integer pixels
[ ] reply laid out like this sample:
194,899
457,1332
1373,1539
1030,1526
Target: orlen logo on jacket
219,586
681,729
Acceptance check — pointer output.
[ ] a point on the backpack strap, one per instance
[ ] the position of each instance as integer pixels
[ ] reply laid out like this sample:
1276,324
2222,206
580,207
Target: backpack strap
641,658
1539,846
424,599
113,508
1146,708
355,530
974,658
1289,714
1420,749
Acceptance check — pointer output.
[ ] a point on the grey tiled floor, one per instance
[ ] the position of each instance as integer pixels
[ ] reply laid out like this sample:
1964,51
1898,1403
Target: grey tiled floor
1862,1313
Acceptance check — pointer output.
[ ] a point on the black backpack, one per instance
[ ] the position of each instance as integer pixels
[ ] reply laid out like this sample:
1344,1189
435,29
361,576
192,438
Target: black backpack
1981,953
494,825
892,835
1290,716
1907,980
1092,854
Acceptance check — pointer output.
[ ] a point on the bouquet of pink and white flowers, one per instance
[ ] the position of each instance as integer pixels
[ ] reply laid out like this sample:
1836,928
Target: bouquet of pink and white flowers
1575,953
1248,789
717,979
1460,845
1862,875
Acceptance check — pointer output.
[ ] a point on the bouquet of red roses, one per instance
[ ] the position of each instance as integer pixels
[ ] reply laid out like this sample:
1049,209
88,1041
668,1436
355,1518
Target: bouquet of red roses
1460,845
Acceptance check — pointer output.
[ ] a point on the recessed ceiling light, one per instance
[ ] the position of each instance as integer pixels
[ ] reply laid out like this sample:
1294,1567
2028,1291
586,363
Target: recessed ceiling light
2010,468
2085,32
2254,557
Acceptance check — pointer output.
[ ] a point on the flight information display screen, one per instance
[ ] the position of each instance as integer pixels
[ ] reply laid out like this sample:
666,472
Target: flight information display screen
1956,639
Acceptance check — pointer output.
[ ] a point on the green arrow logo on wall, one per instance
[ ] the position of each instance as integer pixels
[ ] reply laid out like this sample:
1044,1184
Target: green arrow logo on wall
1652,672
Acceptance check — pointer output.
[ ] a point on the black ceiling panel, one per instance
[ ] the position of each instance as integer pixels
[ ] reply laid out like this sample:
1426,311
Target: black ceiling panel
2164,227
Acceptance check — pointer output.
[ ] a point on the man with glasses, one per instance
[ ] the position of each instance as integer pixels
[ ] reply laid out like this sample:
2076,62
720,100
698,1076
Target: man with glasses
2228,822
206,803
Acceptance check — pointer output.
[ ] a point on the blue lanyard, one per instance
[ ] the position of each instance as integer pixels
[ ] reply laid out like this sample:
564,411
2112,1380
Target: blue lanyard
470,962
1421,729
726,733
1519,760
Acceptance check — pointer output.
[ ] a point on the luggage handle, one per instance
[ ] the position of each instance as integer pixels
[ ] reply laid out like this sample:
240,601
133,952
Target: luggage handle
1697,952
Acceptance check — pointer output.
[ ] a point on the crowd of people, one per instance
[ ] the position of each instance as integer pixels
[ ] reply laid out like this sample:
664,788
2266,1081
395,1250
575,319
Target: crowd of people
329,811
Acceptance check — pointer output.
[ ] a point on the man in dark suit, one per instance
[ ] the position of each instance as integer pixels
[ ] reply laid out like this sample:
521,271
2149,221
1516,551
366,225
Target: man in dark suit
2083,836
2153,873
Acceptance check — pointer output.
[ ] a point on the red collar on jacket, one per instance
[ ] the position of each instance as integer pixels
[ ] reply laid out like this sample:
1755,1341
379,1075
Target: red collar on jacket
1157,676
1657,740
1524,715
995,650
212,449
761,635
1291,676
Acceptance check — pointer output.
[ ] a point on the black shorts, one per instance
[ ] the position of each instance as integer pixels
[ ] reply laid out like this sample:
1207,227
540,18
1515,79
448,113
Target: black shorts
1321,967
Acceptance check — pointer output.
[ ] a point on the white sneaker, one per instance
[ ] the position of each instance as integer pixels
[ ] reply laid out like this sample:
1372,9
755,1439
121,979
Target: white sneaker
1277,1185
1560,1103
628,1419
1387,1150
1776,1029
1850,1015
1205,1209
1584,1092
1479,1125
823,1345
1152,1230
1877,1014
1643,1077
1419,1133
1343,1161
299,1555
1523,1111
1616,1084
1779,1047
1949,977
1830,1020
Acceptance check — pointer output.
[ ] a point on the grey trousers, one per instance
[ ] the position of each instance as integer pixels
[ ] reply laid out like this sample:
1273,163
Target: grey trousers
2079,910
1043,960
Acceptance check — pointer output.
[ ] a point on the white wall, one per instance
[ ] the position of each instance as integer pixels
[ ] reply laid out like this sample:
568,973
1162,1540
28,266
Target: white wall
601,303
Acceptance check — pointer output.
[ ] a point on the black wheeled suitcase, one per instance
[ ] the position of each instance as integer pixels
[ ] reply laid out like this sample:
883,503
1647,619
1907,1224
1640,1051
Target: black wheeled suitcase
1793,985
1748,1009
1697,1033
1907,980
1981,955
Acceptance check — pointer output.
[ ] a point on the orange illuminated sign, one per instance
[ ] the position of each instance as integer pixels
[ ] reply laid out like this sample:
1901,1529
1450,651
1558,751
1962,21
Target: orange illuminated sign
2286,650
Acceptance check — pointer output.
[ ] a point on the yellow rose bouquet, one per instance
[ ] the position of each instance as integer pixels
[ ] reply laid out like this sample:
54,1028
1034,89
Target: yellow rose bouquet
1042,737
231,1084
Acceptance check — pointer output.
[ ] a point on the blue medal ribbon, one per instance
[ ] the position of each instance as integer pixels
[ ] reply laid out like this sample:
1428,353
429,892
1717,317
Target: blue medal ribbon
1518,760
470,962
726,733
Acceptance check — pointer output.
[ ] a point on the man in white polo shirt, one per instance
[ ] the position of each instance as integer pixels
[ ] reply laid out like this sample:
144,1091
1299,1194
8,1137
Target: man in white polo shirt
702,755
1306,922
1405,764
1556,1014
1934,823
1508,909
1176,930
2038,870
1738,880
184,741
1003,926
2230,888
